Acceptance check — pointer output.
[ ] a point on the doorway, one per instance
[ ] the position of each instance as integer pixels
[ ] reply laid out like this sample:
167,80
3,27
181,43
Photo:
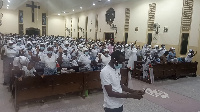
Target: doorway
149,39
126,38
184,43
109,36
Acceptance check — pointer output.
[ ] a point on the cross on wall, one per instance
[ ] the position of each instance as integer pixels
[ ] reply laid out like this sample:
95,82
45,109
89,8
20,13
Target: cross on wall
32,6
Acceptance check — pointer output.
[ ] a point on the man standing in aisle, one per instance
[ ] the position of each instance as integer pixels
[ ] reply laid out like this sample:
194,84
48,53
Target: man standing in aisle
112,86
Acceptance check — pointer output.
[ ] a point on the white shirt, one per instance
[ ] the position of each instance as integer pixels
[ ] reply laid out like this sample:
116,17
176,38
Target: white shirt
11,53
66,58
188,58
28,72
50,62
20,61
19,47
105,60
85,59
110,76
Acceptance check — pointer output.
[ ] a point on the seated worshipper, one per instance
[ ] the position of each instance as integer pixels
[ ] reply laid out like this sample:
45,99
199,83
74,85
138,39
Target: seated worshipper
94,52
66,58
67,47
104,58
114,91
147,60
139,52
10,54
19,45
51,60
110,47
84,59
74,61
172,56
144,49
39,58
20,61
154,51
190,55
162,50
132,58
163,58
28,70
127,52
156,59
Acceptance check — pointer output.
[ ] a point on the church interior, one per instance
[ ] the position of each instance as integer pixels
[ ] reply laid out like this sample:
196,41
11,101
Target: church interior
53,51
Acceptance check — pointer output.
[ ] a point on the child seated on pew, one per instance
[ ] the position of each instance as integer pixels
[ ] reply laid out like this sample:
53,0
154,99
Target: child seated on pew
28,71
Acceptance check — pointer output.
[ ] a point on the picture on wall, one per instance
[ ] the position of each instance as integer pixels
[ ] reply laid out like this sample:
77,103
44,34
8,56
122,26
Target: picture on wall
43,18
136,29
21,16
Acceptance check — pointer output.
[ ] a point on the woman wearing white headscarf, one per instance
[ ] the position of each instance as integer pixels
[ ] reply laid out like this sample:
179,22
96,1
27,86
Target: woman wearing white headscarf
10,54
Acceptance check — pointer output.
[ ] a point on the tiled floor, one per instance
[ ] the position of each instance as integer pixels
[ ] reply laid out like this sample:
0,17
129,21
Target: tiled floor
181,95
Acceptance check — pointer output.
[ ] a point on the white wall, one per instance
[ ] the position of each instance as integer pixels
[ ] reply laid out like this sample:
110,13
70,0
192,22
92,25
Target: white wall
168,13
9,21
195,27
56,25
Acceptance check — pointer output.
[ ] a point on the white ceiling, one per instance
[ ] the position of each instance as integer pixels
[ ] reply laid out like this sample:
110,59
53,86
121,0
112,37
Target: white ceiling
59,6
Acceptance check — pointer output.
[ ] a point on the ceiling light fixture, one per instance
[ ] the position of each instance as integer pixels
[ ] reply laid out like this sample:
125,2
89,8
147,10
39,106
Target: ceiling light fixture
81,7
8,1
63,12
59,14
73,10
109,0
7,5
94,4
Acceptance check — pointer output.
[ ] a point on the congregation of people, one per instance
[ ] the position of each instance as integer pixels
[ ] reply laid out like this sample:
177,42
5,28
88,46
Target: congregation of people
47,55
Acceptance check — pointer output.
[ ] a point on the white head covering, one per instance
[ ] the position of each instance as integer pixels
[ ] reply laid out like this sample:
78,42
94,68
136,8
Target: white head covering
85,49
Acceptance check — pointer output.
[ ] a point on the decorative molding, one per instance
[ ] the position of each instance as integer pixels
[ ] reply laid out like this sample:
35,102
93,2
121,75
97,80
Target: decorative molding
151,16
127,18
110,16
187,15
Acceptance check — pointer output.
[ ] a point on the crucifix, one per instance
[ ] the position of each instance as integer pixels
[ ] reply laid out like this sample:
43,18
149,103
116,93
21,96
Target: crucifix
32,6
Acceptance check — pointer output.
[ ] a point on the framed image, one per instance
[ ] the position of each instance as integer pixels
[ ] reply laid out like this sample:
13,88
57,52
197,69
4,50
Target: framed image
44,18
21,18
136,29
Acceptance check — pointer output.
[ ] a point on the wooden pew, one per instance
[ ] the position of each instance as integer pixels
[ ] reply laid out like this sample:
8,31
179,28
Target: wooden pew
137,71
169,70
158,71
92,80
124,76
67,83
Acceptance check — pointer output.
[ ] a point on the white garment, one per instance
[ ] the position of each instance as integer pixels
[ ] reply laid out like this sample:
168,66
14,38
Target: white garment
94,52
85,59
28,72
132,58
50,62
110,76
11,53
74,63
162,51
188,58
66,58
20,61
127,53
105,60
19,47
